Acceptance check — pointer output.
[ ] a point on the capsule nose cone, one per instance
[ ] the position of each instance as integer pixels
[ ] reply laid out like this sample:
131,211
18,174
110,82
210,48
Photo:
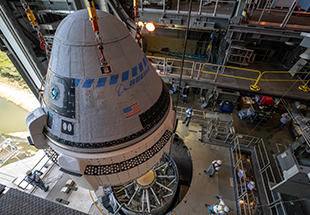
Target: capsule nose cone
104,110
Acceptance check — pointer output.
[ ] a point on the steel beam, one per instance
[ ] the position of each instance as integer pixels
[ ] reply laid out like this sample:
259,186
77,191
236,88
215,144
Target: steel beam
261,33
19,48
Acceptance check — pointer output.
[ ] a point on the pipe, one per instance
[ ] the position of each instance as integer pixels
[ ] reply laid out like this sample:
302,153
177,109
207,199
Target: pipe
184,48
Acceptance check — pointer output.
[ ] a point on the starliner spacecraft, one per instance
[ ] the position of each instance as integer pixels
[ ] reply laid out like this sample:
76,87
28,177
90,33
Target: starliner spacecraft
104,124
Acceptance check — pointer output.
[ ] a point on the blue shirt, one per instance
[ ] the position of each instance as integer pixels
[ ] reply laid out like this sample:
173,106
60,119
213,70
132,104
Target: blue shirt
285,118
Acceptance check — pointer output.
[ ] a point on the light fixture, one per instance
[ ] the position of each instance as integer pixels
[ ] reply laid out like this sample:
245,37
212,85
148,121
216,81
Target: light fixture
140,24
150,26
290,43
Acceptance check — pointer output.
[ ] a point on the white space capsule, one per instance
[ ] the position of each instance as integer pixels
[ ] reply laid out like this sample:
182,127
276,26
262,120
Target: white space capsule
103,128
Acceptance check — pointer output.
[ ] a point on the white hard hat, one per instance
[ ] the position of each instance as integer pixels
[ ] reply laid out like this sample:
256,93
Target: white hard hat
28,172
226,209
219,162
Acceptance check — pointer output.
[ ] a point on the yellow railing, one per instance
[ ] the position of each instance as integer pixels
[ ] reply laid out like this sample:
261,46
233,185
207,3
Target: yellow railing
254,87
226,75
304,87
257,88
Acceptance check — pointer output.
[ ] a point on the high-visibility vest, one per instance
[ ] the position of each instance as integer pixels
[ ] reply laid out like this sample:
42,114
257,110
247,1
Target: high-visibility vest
219,210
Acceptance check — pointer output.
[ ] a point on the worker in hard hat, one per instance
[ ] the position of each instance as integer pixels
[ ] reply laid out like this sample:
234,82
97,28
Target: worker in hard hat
35,180
189,116
214,167
219,208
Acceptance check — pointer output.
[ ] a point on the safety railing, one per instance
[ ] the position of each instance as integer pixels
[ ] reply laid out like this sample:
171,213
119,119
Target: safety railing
270,6
247,140
206,67
199,115
201,7
259,78
247,201
265,170
218,130
171,67
40,165
244,196
188,67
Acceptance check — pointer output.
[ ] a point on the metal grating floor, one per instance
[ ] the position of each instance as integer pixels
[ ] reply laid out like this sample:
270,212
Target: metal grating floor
16,202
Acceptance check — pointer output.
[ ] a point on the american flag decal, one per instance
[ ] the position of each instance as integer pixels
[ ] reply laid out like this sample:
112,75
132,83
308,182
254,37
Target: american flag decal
131,110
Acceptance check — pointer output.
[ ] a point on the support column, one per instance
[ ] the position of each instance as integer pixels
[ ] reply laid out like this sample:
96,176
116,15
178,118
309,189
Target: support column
241,6
289,14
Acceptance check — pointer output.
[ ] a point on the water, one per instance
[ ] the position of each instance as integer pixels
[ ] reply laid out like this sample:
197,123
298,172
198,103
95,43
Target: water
12,117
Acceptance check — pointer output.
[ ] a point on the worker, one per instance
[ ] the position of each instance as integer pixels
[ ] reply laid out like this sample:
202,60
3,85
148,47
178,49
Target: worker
174,89
189,116
285,118
241,174
219,208
35,180
215,167
185,94
251,185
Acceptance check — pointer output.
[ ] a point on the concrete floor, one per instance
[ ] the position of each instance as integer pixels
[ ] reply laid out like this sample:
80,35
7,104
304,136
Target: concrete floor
203,188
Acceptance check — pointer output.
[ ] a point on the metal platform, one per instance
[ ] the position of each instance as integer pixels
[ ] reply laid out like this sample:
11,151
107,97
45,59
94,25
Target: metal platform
18,202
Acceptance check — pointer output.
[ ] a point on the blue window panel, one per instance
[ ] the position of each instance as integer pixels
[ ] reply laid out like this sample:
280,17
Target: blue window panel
142,75
140,66
137,79
76,82
125,76
113,79
144,62
132,82
101,82
134,71
88,83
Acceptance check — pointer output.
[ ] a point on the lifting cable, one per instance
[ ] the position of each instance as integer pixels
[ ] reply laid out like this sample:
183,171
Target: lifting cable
93,18
43,44
137,19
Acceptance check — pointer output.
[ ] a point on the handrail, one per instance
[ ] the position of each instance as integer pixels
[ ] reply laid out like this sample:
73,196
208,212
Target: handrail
257,88
230,76
304,87
176,7
227,75
198,68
